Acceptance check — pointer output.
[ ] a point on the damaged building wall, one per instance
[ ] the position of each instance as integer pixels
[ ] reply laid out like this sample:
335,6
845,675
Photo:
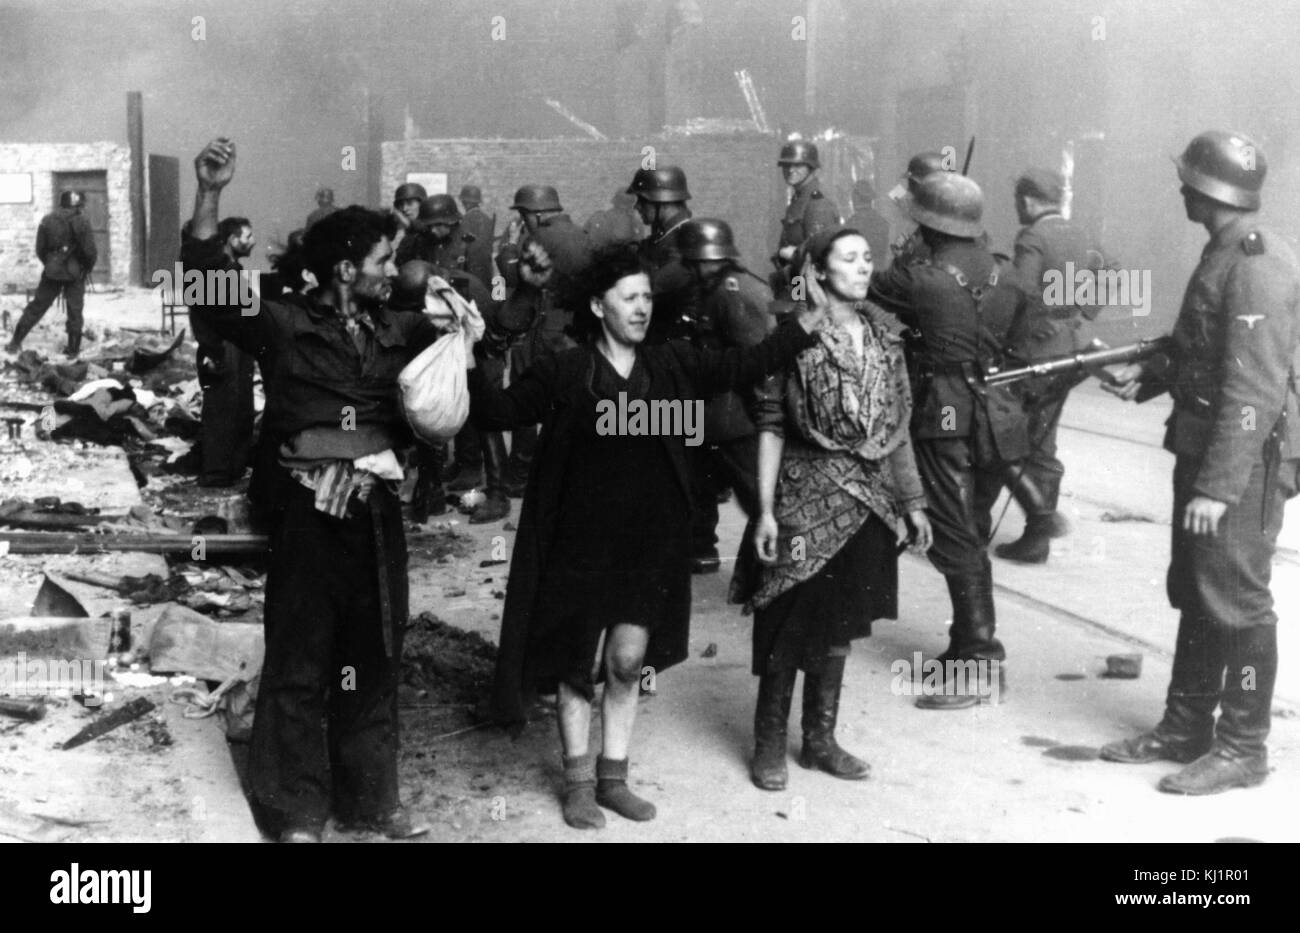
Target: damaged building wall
19,266
734,178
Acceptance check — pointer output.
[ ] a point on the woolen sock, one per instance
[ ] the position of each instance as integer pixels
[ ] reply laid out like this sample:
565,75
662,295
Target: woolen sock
579,800
612,791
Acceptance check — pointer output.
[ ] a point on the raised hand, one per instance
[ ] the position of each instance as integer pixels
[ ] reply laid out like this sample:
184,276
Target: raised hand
215,165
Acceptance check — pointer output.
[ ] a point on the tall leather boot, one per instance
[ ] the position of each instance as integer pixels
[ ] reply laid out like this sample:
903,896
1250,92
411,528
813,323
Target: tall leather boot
771,716
1186,730
1239,756
496,504
971,638
1037,496
821,706
73,349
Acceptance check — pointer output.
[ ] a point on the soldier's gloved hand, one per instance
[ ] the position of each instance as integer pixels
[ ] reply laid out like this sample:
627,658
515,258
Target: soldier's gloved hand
1201,517
1128,380
765,538
215,165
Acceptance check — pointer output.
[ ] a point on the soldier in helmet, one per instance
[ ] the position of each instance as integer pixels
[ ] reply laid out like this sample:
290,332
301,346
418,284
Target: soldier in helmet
731,307
618,223
441,241
908,246
536,206
1047,246
809,211
1235,431
661,195
967,309
407,200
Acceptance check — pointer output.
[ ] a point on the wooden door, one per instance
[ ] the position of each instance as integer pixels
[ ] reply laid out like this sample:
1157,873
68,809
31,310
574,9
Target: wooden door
94,187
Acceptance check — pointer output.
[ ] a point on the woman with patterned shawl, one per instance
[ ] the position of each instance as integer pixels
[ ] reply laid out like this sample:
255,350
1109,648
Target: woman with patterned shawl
838,493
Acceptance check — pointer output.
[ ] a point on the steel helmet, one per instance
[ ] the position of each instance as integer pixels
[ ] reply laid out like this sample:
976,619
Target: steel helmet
1227,167
471,194
703,239
536,198
924,164
440,208
665,185
949,203
799,152
409,192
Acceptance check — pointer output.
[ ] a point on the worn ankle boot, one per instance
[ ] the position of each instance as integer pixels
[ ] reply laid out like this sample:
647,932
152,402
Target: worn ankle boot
612,791
771,716
1239,755
580,809
821,706
1186,730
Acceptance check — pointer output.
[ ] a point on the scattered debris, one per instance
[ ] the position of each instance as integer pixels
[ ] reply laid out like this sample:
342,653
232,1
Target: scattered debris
31,710
1124,515
107,722
1124,666
710,650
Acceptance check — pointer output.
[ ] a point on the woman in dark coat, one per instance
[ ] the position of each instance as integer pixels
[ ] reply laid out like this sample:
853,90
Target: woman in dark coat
838,486
603,547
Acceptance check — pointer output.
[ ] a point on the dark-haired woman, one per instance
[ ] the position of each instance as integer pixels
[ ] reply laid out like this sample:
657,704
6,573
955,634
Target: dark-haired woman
604,535
838,488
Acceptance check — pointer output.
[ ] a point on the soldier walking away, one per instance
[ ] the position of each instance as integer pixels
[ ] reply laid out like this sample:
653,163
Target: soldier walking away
1046,245
618,223
226,376
967,310
1235,433
337,591
65,245
324,206
809,211
731,308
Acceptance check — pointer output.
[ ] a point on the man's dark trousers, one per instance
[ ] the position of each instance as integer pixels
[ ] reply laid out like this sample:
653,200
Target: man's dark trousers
226,430
74,293
326,660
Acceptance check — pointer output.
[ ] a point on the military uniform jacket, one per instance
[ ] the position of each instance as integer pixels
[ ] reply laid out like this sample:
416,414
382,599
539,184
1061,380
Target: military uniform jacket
1233,348
734,312
1043,248
808,213
958,337
65,245
456,252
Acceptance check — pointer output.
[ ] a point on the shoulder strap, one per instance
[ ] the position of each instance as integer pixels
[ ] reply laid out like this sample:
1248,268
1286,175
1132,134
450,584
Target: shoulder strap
978,294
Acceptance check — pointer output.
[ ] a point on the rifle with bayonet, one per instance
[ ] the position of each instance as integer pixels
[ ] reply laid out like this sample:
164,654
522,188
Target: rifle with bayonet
1089,361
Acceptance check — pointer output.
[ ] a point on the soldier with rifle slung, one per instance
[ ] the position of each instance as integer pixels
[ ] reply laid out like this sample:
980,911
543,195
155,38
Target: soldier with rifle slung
967,436
1235,431
809,211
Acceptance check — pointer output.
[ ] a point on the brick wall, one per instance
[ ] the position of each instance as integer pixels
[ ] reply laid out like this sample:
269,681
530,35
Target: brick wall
18,222
731,177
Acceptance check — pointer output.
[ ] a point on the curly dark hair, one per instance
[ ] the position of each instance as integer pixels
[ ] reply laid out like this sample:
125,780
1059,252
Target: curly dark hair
347,234
607,267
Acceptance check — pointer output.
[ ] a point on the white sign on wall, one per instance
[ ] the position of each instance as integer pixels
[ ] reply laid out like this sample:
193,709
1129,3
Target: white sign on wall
433,182
16,187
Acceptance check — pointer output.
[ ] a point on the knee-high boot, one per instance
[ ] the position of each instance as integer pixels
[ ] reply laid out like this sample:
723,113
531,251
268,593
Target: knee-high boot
1239,756
821,706
771,716
1186,730
496,504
